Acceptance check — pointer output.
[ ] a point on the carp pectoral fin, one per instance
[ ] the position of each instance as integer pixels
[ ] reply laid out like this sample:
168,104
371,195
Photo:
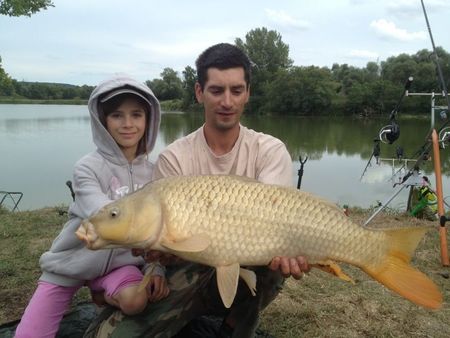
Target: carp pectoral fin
333,268
195,243
227,282
249,278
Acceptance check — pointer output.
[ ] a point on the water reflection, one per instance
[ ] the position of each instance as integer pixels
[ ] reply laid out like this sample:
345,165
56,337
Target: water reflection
315,137
39,125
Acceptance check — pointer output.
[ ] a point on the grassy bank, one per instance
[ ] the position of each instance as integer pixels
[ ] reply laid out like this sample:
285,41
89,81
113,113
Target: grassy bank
317,306
24,236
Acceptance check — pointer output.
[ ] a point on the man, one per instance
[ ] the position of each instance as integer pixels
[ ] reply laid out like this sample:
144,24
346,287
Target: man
221,146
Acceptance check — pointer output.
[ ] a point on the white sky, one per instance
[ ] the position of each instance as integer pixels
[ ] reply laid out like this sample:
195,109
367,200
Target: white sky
84,41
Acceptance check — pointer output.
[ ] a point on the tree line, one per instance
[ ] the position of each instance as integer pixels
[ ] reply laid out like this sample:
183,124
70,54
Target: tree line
279,87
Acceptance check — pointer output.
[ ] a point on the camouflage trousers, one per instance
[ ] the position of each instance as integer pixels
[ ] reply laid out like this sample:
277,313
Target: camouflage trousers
193,293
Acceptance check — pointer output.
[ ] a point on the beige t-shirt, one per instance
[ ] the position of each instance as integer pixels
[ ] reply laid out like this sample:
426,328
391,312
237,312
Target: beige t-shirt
255,155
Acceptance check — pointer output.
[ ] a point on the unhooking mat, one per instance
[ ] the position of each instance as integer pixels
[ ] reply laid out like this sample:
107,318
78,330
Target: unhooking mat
77,321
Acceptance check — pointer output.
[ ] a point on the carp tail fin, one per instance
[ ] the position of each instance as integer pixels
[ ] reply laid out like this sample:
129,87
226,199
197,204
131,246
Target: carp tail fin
397,274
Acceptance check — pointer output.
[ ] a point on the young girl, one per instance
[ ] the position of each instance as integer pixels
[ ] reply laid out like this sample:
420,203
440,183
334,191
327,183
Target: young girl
125,118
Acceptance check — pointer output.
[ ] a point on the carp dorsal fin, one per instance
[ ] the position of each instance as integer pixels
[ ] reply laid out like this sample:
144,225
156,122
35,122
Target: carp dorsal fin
249,278
227,282
195,243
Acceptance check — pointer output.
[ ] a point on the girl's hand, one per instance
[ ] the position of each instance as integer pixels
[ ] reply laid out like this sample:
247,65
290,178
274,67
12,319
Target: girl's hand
157,288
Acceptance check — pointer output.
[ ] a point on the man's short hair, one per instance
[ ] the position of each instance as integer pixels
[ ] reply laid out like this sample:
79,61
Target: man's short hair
222,56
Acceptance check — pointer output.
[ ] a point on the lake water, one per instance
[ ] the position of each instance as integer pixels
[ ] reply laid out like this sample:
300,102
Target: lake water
39,145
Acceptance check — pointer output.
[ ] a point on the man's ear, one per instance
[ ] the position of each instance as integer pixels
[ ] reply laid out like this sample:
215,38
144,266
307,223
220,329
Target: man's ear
198,92
248,93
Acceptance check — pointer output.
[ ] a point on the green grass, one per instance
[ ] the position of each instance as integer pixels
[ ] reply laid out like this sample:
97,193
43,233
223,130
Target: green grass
24,236
319,305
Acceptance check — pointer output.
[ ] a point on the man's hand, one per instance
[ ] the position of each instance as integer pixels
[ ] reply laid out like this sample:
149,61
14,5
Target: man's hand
290,266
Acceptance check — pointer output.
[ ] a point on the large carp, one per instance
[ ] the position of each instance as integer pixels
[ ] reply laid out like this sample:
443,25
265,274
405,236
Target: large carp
228,221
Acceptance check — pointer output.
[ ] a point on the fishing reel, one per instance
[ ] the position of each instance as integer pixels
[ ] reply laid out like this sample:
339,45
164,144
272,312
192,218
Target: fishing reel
389,133
444,136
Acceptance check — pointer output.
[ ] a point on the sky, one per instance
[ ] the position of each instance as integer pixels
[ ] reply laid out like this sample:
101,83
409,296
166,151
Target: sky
85,41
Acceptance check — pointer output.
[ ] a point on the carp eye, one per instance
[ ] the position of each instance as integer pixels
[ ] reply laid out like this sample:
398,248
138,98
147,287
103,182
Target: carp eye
114,213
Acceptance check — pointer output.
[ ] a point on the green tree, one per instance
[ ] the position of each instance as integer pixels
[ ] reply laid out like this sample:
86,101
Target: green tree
302,91
170,87
427,69
189,79
269,54
348,76
23,7
422,67
6,83
398,69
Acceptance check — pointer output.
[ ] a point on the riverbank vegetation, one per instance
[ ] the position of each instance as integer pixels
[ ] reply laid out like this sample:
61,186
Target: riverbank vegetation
319,305
280,87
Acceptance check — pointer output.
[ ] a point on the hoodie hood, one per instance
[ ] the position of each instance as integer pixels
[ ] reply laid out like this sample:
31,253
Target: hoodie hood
102,139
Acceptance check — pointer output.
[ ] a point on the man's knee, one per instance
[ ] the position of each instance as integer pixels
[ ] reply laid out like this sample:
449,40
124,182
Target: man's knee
269,285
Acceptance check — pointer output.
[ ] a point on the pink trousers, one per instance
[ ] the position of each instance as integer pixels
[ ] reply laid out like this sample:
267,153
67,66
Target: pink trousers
50,301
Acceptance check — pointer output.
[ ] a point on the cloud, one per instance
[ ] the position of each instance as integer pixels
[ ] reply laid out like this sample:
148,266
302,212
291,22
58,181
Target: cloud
390,30
284,19
404,7
415,6
363,54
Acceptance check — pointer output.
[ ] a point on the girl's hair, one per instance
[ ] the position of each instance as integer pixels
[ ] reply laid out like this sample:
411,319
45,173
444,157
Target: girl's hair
108,107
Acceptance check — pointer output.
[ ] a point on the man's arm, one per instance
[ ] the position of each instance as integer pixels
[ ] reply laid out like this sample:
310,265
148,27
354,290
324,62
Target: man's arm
276,166
166,165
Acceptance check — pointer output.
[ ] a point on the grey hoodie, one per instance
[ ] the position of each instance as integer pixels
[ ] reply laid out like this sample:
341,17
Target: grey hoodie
99,178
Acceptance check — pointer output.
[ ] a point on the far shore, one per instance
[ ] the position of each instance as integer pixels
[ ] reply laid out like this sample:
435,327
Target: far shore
52,101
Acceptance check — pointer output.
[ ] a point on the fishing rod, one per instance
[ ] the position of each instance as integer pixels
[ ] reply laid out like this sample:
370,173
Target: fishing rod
438,66
424,155
375,153
428,142
428,145
391,132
